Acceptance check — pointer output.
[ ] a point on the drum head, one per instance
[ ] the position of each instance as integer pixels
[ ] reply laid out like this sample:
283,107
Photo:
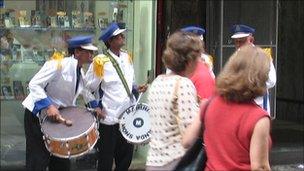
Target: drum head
135,124
81,119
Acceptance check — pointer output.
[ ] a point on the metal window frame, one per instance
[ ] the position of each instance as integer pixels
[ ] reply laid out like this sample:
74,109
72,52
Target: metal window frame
222,46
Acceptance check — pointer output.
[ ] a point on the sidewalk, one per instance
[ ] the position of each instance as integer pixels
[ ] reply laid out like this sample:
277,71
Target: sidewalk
286,155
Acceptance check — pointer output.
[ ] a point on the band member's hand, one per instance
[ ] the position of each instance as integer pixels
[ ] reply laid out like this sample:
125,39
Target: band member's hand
53,113
101,114
142,88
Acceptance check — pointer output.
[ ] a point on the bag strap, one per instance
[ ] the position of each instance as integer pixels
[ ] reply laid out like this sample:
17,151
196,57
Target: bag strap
175,103
120,74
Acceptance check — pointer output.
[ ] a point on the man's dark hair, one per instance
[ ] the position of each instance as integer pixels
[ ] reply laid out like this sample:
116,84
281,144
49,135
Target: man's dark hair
71,51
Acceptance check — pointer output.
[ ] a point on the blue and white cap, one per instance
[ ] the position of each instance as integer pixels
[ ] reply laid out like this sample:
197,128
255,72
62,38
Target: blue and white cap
84,42
196,30
112,30
241,30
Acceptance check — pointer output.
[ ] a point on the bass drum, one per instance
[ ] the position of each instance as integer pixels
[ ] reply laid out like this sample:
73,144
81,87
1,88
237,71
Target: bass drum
134,124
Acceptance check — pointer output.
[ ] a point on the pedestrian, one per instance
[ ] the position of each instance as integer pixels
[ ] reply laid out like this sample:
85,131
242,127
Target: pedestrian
173,101
243,35
111,77
203,77
57,84
236,130
207,58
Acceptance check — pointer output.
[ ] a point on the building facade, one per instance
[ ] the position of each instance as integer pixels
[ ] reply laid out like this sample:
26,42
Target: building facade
277,24
34,28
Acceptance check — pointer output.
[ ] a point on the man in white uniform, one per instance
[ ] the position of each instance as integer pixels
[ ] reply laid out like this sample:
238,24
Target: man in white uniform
111,77
242,35
58,84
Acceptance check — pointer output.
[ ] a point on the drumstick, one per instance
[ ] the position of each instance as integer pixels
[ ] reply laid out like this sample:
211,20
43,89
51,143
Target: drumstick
140,94
65,121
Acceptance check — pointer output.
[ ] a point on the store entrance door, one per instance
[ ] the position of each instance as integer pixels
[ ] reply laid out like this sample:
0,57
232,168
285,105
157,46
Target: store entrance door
174,15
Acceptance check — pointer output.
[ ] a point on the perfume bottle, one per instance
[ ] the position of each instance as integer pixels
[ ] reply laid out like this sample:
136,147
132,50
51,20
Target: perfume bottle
23,21
61,18
88,19
7,20
35,18
76,19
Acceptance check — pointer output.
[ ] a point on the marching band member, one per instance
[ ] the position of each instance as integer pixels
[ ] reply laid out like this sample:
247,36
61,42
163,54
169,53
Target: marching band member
111,77
243,35
57,84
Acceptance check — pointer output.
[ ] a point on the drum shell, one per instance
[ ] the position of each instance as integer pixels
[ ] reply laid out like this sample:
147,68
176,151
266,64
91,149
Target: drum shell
71,147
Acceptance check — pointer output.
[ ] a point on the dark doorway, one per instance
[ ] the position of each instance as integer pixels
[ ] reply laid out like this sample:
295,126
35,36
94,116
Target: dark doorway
173,15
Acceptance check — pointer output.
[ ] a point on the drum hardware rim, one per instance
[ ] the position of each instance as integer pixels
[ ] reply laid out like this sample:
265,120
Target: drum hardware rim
142,143
45,136
120,116
75,155
71,138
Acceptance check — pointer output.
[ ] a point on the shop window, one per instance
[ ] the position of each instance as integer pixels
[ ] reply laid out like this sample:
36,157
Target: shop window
30,32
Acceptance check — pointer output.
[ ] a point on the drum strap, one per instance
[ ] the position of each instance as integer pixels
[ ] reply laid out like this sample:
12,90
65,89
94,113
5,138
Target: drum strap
120,74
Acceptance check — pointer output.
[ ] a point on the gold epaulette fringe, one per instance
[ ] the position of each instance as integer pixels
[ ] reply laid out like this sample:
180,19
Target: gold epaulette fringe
98,64
58,56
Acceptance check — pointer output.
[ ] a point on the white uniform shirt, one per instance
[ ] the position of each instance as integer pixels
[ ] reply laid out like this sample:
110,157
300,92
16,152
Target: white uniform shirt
207,59
55,83
115,98
272,79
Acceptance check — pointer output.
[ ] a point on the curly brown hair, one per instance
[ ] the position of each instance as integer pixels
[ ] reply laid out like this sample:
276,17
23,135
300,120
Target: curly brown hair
181,49
244,75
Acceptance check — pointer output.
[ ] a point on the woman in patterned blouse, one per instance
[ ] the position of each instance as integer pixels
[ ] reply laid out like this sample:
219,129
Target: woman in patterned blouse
173,101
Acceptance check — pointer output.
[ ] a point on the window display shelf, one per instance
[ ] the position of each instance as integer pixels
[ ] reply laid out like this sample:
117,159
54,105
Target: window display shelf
50,29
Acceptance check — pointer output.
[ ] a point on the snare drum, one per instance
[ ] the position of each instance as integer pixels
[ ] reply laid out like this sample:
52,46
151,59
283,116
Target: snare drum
70,141
134,124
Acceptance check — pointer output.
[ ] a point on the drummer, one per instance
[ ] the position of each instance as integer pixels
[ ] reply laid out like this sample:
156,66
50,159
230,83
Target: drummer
58,84
116,93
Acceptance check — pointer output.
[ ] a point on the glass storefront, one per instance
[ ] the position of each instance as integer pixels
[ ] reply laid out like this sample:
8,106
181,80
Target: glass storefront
31,31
